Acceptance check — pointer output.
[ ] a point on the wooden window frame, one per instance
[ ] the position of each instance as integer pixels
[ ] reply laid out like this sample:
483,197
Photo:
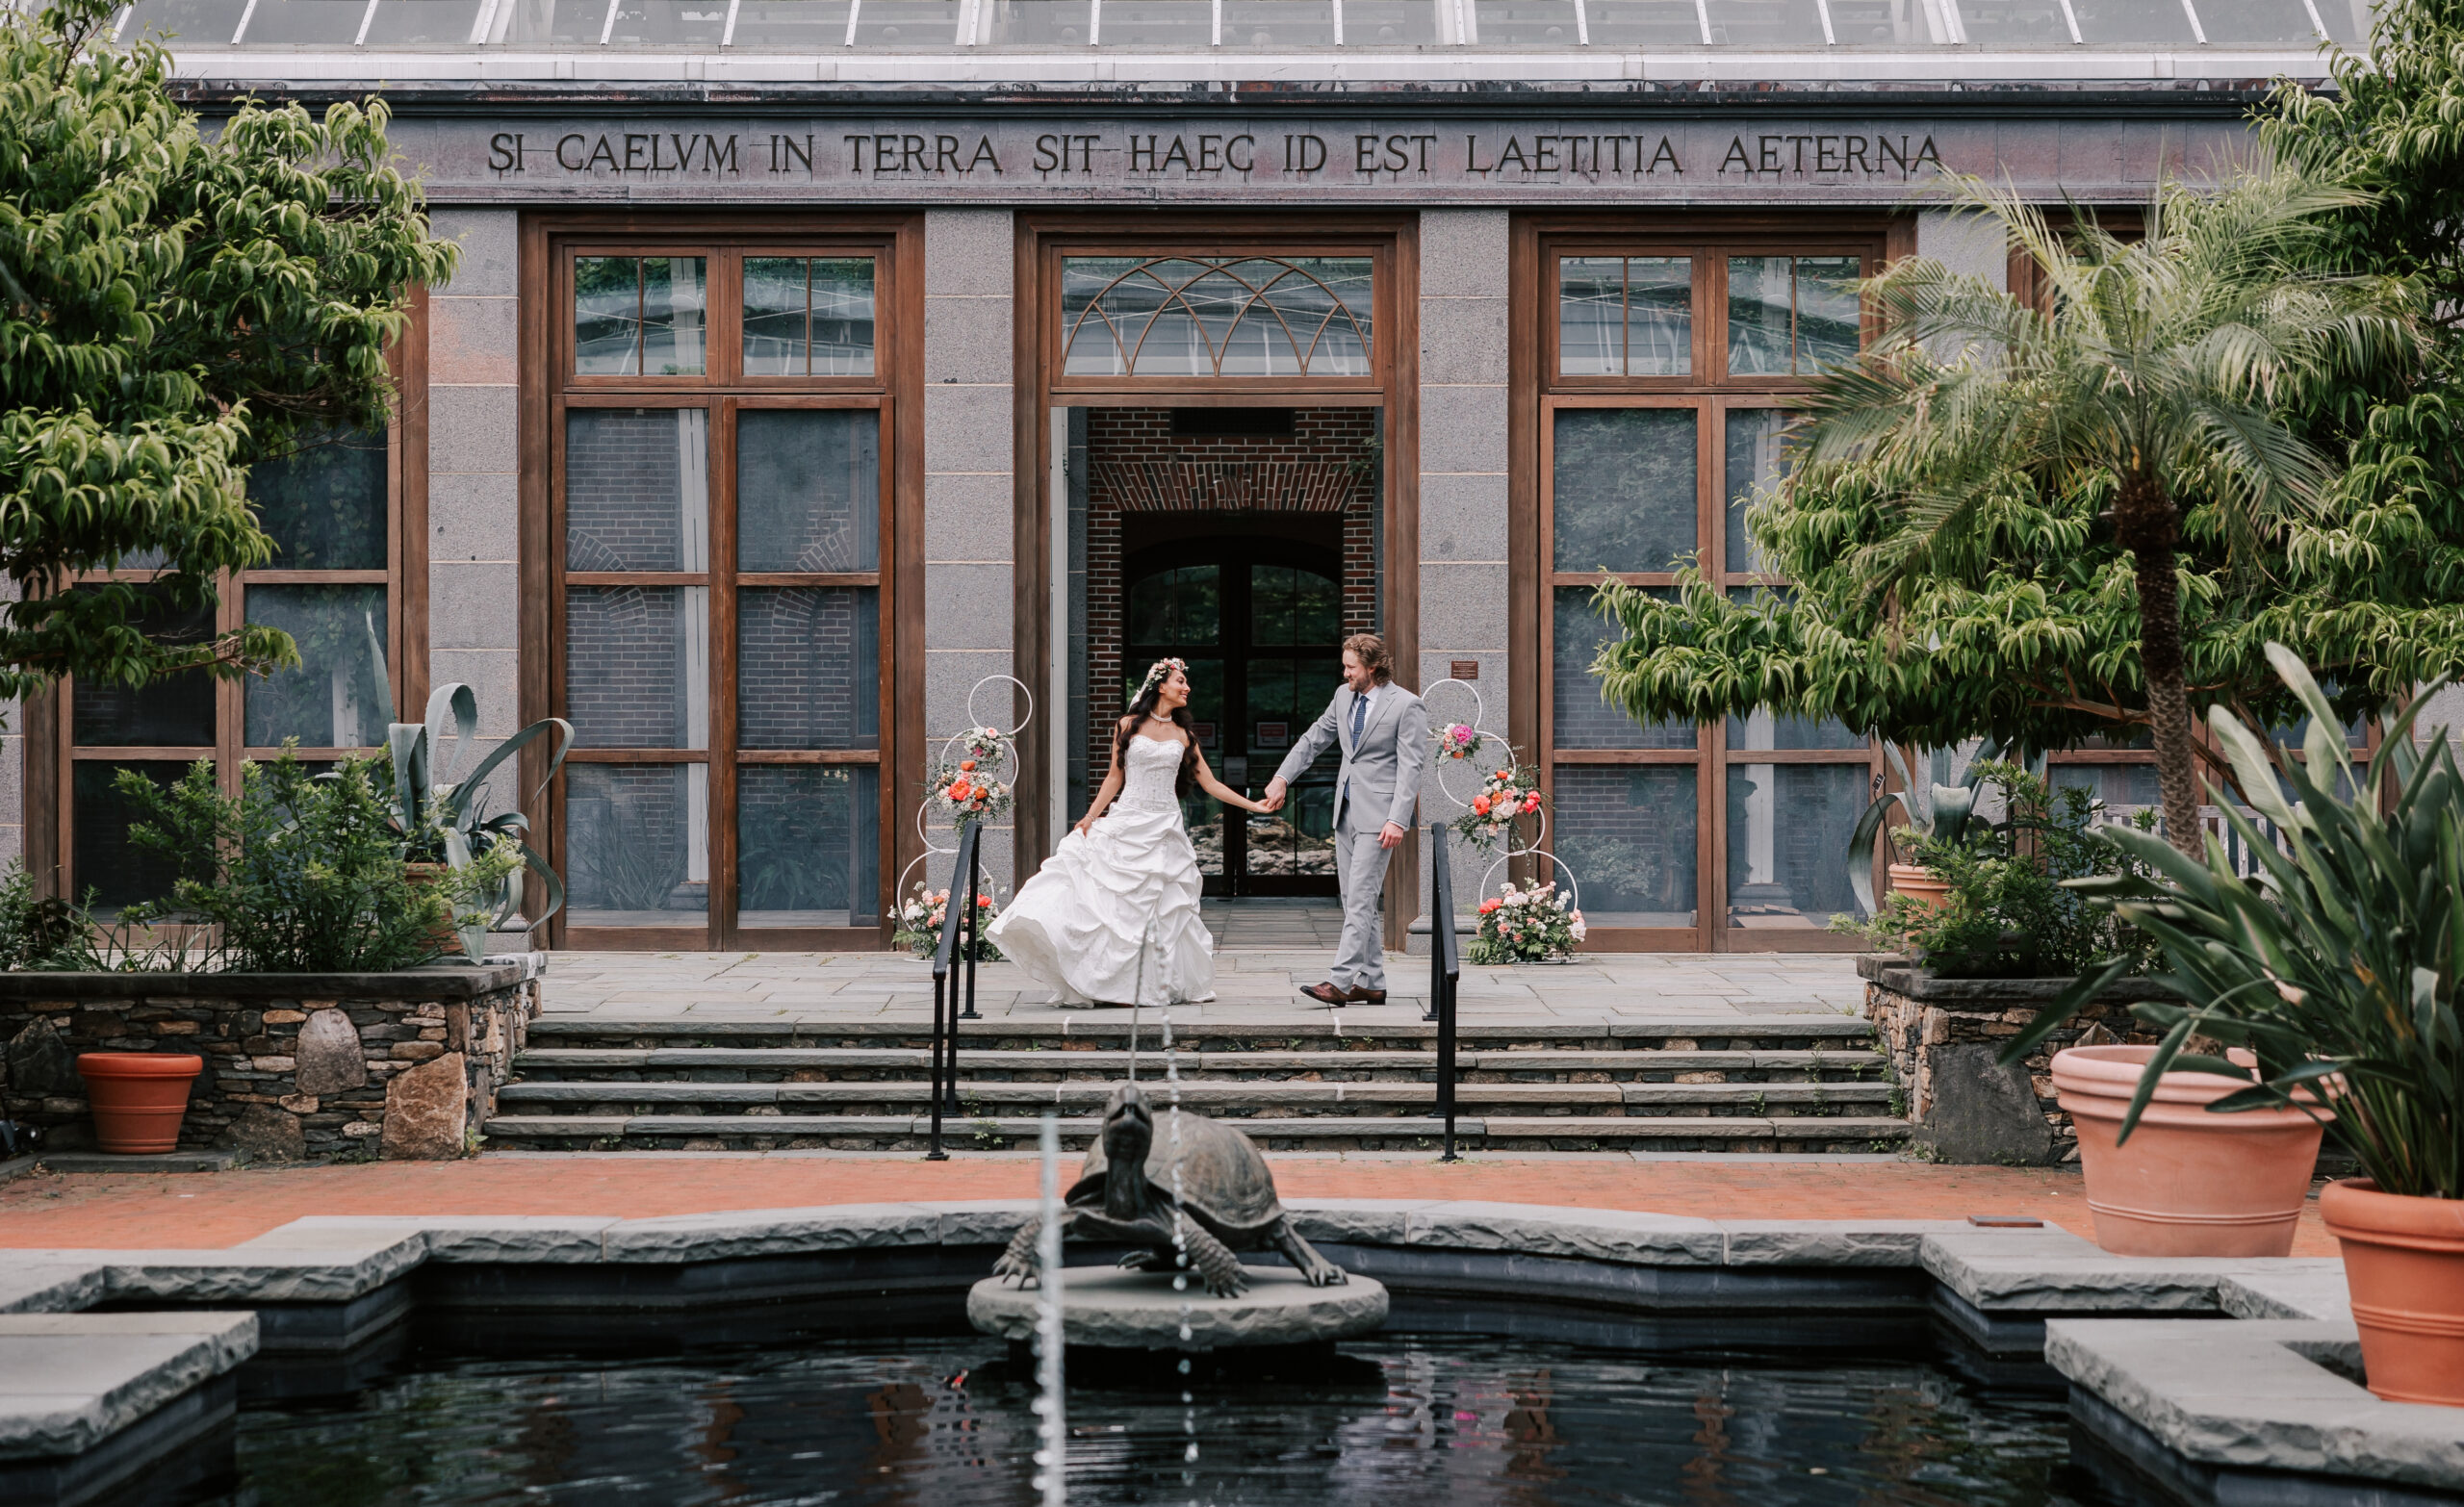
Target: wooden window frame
552,389
52,756
1538,392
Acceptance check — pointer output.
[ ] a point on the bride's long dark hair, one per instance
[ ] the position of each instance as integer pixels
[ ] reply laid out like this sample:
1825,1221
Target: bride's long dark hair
1142,708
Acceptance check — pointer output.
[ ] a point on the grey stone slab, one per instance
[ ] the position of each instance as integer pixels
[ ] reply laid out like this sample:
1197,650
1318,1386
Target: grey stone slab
1463,606
963,508
438,981
1463,342
1537,1229
474,514
2294,1287
1829,1242
475,605
68,1381
1463,517
967,251
1463,253
1463,431
2245,1394
495,678
452,1237
253,1274
967,339
43,1287
473,340
1140,1310
2052,1271
967,606
472,428
491,242
989,1221
1358,1222
154,1161
771,1232
967,428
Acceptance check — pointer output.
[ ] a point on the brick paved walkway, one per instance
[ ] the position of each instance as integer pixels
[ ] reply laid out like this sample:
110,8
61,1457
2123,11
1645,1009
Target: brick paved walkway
134,1212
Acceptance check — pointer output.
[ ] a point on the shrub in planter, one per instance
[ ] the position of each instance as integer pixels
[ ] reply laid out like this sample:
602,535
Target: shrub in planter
2336,970
299,872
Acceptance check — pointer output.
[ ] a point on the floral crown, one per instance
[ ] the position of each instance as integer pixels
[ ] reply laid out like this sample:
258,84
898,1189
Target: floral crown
1156,672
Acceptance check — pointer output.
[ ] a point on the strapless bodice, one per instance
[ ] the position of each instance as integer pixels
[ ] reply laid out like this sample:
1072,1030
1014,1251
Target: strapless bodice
1153,769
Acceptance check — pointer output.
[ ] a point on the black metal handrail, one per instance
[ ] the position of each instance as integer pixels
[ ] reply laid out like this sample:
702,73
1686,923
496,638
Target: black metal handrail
1446,971
944,1052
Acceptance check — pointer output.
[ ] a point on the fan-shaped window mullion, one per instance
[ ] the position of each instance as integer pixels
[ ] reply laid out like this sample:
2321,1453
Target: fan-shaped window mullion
1258,293
1264,294
1173,296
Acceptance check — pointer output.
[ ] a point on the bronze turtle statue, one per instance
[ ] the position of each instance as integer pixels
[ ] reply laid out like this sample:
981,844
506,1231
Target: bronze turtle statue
1125,1193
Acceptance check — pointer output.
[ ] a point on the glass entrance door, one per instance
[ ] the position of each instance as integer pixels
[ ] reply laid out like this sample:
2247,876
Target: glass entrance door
1260,624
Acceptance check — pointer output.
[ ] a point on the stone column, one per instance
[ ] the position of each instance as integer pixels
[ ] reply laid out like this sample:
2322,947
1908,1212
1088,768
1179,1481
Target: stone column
474,500
1462,465
970,570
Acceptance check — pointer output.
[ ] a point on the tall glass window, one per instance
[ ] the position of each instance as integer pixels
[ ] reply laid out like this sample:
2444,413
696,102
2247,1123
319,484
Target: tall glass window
721,601
1653,458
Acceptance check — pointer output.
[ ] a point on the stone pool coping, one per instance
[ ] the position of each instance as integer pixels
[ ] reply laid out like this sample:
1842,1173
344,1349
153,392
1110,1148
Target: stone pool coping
2159,1375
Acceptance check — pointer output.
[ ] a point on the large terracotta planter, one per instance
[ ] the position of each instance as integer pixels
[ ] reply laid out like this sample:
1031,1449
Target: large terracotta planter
2404,1264
2189,1183
1919,884
137,1097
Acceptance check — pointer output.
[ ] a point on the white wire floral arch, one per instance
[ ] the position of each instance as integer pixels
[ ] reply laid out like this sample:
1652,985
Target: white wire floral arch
1284,295
1438,723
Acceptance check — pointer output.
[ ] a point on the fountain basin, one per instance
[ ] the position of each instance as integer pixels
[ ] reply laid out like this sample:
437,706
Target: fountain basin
1114,1310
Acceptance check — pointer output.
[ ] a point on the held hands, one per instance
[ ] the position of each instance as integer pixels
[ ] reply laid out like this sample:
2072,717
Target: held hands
1275,789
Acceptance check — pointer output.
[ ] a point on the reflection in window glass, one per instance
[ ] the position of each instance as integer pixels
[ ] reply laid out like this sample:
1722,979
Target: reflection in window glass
1389,23
192,24
324,506
1828,315
668,23
2260,23
2018,23
808,845
1237,317
639,316
1591,316
1626,833
1277,23
1037,23
1789,828
2120,788
1157,23
1878,23
809,489
1579,718
1765,729
336,697
1529,23
637,488
1624,316
2132,23
302,23
1184,606
1755,462
103,863
796,25
637,844
908,23
1290,606
176,712
1764,23
808,317
1791,315
637,666
1623,489
423,23
1645,23
808,667
567,23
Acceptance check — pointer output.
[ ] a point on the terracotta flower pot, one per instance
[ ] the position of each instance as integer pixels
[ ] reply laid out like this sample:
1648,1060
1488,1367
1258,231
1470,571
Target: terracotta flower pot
442,935
2189,1183
2404,1264
137,1097
1918,884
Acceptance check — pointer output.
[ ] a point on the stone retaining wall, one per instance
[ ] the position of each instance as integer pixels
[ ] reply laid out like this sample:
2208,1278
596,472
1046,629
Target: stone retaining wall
320,1066
1944,1036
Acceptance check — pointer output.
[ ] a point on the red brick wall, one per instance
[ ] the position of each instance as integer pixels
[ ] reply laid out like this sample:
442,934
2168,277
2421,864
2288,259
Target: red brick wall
1135,463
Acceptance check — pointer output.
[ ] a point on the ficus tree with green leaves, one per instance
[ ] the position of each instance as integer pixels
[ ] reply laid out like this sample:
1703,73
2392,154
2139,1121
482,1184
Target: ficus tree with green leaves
176,303
2047,522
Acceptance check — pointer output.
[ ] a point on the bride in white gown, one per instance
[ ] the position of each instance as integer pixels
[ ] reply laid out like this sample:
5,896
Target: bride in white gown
1075,927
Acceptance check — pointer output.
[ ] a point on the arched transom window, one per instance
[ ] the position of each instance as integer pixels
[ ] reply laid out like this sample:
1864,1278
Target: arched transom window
1207,317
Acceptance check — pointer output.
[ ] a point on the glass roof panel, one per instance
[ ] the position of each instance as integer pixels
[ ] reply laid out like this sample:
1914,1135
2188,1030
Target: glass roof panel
196,23
559,23
906,23
1389,23
1036,23
1881,23
2258,23
423,23
1278,23
800,25
1765,23
1525,24
2135,23
2347,21
1645,23
668,23
1158,24
303,23
2020,23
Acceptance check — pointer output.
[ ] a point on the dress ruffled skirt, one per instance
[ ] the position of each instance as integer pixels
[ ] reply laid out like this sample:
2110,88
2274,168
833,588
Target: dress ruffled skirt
1076,927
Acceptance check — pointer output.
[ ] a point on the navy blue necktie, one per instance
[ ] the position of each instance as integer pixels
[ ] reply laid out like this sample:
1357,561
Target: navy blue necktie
1359,715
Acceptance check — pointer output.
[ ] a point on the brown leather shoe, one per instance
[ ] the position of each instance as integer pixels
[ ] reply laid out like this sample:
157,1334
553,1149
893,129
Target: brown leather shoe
1328,994
1369,996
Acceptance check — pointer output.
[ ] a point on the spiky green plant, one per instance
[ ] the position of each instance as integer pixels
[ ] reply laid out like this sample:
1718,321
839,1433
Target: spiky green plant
445,819
2337,965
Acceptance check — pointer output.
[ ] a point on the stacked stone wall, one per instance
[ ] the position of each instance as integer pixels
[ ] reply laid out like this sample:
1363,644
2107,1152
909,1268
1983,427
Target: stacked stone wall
387,1070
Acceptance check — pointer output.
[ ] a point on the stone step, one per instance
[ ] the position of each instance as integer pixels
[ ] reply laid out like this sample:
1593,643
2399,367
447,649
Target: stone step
1343,1031
591,1063
906,1133
1207,1094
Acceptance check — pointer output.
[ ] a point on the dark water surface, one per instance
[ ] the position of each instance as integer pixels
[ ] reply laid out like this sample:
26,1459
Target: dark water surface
940,1420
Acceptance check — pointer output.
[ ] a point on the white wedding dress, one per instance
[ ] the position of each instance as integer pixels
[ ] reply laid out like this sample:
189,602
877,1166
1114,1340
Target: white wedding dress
1076,926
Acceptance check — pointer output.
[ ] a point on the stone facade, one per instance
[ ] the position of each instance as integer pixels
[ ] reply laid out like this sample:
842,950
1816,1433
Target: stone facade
1943,1037
323,1067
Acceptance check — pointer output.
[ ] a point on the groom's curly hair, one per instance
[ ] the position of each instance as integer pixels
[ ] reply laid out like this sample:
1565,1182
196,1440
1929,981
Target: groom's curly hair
1374,658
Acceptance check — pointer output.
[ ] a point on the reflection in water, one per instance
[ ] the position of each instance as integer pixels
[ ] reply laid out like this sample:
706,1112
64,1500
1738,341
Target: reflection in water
1395,1419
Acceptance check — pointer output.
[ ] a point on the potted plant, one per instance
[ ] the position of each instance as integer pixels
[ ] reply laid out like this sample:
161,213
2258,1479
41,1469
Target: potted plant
2334,970
449,839
137,1098
1938,809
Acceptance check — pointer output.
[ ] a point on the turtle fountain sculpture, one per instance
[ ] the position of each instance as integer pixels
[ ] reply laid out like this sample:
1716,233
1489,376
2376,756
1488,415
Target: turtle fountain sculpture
1224,1197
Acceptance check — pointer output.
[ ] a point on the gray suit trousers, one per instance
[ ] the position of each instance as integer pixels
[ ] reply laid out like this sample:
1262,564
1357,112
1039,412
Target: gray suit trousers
1360,958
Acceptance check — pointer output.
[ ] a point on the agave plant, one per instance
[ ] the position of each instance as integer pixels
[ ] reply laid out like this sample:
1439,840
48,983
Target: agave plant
2336,966
1937,807
445,819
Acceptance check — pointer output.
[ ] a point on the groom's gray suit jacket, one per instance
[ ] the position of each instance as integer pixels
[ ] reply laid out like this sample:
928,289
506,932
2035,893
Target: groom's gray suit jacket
1383,773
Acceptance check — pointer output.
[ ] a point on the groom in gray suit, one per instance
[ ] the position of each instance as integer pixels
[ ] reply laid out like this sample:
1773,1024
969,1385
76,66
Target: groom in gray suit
1384,737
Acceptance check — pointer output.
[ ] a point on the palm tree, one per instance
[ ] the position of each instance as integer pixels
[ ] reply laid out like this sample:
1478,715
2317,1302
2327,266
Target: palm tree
2160,370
